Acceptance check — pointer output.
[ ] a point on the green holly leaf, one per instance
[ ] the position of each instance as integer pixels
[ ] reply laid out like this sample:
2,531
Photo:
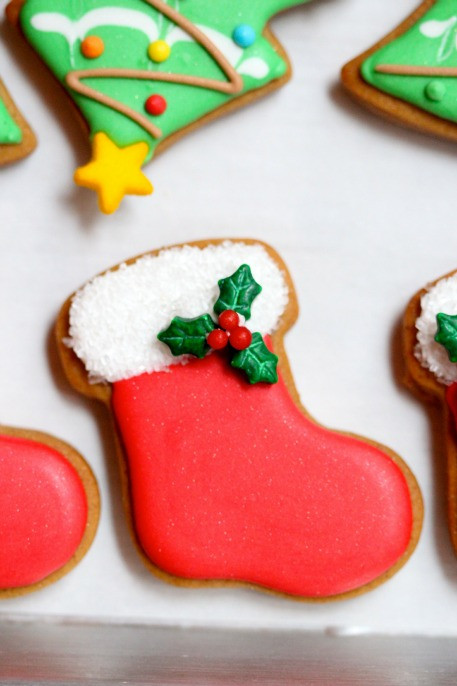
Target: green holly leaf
237,292
257,361
188,336
447,334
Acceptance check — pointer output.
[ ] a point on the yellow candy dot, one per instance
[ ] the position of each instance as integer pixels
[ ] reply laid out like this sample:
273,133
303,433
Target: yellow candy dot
159,51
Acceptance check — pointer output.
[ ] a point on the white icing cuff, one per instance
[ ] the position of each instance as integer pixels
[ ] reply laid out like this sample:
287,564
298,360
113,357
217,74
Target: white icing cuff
115,318
432,355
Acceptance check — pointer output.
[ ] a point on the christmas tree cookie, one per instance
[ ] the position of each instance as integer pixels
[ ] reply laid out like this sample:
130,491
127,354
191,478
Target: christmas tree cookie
430,351
411,75
16,137
227,479
143,72
49,508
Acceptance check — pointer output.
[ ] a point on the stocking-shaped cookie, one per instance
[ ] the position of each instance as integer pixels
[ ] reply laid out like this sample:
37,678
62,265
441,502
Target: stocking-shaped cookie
16,137
227,477
48,510
430,349
143,72
410,76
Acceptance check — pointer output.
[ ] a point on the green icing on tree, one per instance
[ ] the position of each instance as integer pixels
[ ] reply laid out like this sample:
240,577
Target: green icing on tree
237,292
430,42
10,133
188,336
56,29
257,362
447,334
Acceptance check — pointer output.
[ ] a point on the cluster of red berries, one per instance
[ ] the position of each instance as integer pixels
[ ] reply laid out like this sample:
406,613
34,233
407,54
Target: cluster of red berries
231,332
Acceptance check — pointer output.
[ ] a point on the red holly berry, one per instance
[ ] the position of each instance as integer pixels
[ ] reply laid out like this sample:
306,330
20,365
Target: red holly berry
217,339
240,338
229,319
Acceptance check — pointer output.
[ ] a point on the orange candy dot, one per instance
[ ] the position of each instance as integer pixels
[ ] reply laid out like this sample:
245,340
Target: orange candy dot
92,47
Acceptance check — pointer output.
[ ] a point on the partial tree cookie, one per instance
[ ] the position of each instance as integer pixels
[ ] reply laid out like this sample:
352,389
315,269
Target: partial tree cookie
430,351
410,76
49,508
17,139
144,72
227,479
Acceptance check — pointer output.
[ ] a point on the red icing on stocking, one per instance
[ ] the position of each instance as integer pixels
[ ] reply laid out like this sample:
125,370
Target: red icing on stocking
43,511
231,481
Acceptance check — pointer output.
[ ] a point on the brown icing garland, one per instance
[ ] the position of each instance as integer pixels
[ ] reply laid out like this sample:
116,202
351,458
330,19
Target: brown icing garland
232,86
415,70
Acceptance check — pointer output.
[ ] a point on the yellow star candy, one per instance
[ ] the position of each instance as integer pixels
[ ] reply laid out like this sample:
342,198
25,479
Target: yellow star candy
114,172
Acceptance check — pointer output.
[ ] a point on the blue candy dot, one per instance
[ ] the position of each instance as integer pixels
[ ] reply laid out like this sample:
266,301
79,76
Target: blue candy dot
244,35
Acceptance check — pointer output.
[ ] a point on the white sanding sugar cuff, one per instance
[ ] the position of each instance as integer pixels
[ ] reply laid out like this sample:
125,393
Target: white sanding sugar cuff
442,297
115,318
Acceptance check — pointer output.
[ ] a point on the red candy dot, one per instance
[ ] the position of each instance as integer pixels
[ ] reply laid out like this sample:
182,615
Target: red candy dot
155,105
240,338
229,319
217,339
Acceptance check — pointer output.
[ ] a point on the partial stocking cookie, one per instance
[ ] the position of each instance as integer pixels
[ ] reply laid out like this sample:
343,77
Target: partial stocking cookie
430,347
226,476
16,137
49,508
